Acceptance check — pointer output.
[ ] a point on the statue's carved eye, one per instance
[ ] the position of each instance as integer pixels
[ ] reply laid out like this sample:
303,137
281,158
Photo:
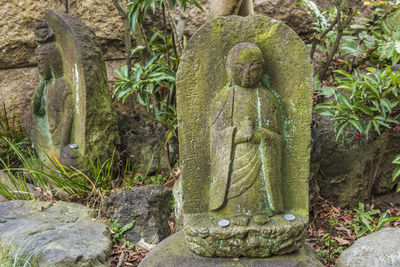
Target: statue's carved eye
256,65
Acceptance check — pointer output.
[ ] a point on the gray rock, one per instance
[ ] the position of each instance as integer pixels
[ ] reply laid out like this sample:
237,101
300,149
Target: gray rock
336,163
149,206
63,234
377,249
173,252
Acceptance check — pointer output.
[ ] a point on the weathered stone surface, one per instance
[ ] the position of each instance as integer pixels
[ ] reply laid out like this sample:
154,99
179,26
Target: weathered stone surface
231,162
149,206
337,164
18,85
377,249
286,11
141,142
17,42
104,19
277,237
72,104
63,232
173,252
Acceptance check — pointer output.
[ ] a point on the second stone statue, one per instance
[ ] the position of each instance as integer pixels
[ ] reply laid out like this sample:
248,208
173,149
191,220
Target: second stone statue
74,121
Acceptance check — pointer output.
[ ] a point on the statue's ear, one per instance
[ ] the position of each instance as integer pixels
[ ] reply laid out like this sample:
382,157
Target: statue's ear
266,81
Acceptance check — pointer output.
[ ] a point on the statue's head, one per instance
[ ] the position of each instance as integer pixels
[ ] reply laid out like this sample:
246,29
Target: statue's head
49,61
245,65
43,32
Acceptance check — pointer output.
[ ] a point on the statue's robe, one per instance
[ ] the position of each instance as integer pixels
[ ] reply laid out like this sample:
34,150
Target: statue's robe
53,117
246,176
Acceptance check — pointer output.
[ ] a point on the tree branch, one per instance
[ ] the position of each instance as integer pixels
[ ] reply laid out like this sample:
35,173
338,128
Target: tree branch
341,27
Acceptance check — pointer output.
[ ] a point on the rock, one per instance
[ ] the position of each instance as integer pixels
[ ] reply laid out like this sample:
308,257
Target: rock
377,249
17,87
104,19
178,209
336,164
62,233
149,206
173,252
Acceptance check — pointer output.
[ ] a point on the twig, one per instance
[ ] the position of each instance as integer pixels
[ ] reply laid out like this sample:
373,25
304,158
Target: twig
372,182
315,41
166,34
128,40
341,27
236,7
372,149
121,259
178,47
360,151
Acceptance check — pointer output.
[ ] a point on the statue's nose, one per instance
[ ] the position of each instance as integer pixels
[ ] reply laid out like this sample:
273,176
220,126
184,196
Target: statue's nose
247,72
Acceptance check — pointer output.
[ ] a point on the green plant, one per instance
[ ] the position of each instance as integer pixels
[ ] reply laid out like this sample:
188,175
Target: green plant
366,104
56,177
25,256
119,233
368,221
396,172
10,129
330,26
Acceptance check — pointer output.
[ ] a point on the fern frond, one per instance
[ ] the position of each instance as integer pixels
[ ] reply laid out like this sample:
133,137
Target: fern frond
392,23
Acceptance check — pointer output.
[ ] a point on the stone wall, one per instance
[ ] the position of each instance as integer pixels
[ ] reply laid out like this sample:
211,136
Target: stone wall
18,73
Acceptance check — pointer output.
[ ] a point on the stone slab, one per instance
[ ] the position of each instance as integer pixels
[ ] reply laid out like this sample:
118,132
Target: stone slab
173,252
62,233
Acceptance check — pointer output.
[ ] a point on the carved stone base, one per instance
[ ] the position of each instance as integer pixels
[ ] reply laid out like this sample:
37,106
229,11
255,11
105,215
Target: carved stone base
206,238
173,252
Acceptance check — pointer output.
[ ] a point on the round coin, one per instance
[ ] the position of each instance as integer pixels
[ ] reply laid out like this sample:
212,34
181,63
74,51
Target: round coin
289,217
73,146
223,223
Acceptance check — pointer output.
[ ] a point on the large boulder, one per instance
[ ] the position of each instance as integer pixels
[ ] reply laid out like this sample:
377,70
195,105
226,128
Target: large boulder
61,234
377,249
149,206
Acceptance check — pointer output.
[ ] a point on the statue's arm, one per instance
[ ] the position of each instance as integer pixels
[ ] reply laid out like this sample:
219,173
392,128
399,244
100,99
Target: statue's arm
245,132
265,135
38,108
67,156
67,120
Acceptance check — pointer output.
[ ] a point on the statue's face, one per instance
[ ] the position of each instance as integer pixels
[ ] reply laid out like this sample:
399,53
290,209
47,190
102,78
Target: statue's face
245,65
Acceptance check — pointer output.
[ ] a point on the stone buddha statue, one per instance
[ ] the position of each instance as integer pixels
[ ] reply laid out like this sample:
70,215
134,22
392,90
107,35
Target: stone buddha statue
244,112
245,143
52,101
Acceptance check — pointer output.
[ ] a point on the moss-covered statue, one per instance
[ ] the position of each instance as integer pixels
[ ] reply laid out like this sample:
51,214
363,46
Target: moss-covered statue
244,105
52,101
72,113
245,142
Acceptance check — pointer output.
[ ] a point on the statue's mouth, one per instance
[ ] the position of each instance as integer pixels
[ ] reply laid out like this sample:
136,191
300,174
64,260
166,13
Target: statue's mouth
246,82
